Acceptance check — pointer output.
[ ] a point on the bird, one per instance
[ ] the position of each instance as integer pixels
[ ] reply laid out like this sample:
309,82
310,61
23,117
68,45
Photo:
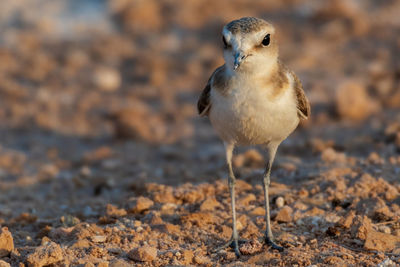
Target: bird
252,99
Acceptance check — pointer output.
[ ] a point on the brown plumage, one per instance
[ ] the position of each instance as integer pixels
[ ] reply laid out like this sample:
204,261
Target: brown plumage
279,80
246,25
303,106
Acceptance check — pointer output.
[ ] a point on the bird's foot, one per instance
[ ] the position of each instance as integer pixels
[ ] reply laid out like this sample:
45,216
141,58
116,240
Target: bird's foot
272,244
233,244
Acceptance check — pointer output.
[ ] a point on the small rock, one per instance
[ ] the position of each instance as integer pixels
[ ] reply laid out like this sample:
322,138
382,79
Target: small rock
239,225
119,263
300,205
360,227
259,211
387,263
201,218
245,201
242,185
315,212
238,161
145,253
69,220
280,201
114,212
168,228
46,254
6,242
380,241
374,158
347,221
382,214
4,264
98,238
285,215
142,204
253,158
330,155
209,204
168,208
107,79
353,101
139,122
384,229
187,257
333,260
397,232
200,259
103,264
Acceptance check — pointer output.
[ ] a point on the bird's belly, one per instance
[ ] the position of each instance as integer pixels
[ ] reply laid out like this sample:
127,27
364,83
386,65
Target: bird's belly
252,119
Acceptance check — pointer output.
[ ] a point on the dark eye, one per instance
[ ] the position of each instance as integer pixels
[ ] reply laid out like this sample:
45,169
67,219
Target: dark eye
225,43
266,40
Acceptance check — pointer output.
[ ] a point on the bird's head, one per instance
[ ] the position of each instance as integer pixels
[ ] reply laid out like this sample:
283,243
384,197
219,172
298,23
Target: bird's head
249,43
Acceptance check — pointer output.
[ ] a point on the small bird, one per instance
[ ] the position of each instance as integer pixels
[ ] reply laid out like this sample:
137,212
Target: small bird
253,99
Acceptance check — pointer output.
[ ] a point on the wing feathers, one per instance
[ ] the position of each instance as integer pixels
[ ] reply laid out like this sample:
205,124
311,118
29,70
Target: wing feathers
303,106
204,103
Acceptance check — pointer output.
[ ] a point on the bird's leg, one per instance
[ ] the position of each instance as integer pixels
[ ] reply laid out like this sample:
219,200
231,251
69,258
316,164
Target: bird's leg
269,239
233,242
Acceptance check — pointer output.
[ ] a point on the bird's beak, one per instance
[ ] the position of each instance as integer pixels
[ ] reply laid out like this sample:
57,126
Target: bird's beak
239,57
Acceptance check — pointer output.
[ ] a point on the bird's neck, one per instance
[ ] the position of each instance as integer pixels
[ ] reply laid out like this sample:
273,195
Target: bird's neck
257,71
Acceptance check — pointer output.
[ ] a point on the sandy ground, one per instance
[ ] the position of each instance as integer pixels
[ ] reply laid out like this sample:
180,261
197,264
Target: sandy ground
104,161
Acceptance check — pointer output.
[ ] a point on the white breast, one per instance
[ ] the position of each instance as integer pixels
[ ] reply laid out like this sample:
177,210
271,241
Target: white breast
248,114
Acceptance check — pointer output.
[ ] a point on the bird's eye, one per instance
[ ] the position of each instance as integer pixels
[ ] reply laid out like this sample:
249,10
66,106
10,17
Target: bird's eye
266,40
225,43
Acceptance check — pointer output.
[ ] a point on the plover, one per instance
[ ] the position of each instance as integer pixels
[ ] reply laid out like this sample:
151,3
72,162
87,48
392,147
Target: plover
253,99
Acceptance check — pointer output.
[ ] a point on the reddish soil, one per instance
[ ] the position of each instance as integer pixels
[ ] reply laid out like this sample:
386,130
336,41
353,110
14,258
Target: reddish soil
104,161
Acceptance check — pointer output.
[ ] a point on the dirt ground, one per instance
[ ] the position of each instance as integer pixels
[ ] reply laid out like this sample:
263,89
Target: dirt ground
104,161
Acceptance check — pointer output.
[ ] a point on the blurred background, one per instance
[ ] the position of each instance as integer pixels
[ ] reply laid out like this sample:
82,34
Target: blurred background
98,97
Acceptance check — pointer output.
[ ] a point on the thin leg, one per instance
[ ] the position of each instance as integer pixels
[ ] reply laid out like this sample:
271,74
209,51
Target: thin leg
233,242
269,238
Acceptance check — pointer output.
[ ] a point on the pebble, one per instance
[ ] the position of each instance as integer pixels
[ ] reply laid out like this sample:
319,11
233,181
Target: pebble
113,211
259,211
200,259
4,264
280,201
353,101
330,155
380,241
48,253
98,238
107,79
284,215
387,263
384,229
144,254
142,204
210,204
6,242
119,263
245,201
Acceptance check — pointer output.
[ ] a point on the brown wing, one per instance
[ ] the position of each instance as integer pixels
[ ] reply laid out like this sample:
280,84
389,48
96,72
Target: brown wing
303,106
204,104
